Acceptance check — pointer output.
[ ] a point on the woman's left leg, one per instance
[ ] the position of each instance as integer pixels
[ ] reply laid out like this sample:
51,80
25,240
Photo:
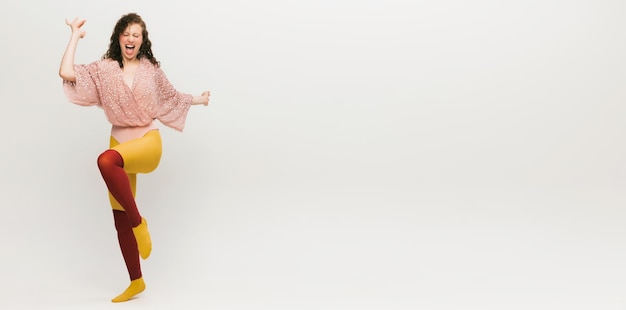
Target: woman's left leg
117,164
136,156
128,244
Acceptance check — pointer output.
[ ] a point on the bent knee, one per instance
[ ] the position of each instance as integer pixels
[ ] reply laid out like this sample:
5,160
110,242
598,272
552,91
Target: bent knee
110,158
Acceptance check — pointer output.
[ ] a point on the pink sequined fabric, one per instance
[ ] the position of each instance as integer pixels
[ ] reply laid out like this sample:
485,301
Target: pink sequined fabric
151,97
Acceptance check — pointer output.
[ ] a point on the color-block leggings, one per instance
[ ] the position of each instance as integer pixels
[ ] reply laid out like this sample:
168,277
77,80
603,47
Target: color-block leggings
119,166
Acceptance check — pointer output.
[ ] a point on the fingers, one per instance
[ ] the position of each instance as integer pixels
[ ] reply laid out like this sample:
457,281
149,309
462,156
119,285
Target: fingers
76,22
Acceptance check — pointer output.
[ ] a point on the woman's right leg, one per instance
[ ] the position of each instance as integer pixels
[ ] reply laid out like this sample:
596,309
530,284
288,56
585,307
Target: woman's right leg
140,156
111,165
117,165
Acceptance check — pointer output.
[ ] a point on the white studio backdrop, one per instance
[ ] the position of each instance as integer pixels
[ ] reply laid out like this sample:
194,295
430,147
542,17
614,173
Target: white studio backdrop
355,154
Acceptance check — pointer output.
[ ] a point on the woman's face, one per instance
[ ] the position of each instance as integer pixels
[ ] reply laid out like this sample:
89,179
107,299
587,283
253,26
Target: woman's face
130,41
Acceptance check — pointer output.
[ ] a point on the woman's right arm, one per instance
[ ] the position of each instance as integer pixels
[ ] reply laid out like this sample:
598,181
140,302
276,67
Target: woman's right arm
66,70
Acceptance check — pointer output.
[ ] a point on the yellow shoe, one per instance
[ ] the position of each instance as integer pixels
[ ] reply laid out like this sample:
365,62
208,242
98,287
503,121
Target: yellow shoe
144,244
135,287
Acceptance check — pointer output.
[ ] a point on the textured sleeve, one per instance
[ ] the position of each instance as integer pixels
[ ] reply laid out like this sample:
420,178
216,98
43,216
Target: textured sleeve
84,90
173,105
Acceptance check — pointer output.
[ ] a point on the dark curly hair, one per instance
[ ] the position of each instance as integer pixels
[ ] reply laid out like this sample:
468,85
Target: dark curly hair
115,51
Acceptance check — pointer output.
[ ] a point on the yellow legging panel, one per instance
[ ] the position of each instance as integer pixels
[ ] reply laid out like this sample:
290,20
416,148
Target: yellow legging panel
141,155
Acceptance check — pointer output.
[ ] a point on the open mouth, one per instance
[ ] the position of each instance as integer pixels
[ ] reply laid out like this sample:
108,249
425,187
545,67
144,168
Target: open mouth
129,48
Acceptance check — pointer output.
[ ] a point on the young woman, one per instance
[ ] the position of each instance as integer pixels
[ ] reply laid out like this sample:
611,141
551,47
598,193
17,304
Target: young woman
129,85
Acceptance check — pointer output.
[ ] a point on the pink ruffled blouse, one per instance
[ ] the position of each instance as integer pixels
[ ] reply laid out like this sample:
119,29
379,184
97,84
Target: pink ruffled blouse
151,96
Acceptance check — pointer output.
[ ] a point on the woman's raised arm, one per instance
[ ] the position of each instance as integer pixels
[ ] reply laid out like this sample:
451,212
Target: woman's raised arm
66,70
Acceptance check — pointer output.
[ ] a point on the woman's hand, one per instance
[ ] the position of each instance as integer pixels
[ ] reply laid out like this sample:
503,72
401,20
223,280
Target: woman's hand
202,99
205,98
75,25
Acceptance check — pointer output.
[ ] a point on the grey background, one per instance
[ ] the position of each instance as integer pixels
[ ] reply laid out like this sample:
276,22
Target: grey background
355,155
